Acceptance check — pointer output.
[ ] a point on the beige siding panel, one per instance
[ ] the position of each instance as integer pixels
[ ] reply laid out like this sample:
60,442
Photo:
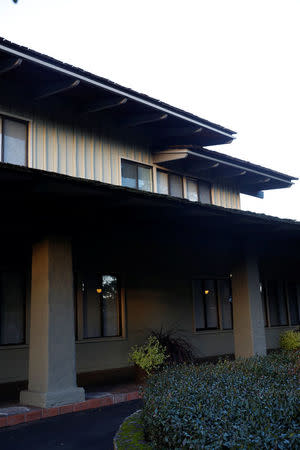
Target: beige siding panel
80,156
69,150
98,159
71,153
226,196
89,157
106,169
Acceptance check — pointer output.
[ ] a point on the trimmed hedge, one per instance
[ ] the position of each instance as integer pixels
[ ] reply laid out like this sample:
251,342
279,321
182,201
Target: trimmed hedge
248,403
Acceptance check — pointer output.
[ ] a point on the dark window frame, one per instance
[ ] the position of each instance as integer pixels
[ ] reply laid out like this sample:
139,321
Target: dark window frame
79,334
24,305
169,184
266,303
4,117
218,305
195,180
138,164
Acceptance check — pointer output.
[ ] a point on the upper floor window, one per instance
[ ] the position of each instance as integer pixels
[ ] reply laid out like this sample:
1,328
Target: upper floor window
137,176
198,191
169,184
13,142
212,304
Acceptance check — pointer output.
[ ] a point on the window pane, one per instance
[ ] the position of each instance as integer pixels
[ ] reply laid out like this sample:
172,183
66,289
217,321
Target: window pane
145,178
101,306
293,303
198,305
110,306
91,305
12,308
14,143
175,185
226,303
129,174
277,305
204,192
192,190
162,182
211,305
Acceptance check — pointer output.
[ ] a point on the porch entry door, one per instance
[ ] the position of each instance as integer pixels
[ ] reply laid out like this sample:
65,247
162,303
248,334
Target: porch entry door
99,305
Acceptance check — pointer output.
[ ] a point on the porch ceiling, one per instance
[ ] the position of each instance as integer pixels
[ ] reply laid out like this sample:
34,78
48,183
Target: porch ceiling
38,202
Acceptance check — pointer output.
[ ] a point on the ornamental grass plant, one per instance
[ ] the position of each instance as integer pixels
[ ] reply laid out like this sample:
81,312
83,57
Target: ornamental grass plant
245,404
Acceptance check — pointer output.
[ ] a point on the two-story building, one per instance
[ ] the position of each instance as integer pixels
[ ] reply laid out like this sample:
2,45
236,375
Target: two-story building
115,221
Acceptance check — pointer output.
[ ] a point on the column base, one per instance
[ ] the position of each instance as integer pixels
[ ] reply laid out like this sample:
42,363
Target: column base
50,399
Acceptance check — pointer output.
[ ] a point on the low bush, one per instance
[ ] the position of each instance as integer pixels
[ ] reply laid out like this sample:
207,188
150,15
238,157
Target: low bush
149,356
290,340
248,403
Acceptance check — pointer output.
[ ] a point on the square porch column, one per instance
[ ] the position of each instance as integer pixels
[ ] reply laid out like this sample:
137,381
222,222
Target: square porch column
52,373
248,319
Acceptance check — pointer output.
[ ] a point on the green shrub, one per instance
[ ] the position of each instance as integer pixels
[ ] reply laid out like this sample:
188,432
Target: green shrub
149,356
290,340
248,403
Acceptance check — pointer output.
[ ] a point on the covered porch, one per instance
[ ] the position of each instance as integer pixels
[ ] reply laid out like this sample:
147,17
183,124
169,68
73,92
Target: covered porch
68,244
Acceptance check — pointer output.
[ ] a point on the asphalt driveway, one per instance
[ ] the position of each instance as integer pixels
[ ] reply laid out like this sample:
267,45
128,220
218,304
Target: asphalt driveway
86,430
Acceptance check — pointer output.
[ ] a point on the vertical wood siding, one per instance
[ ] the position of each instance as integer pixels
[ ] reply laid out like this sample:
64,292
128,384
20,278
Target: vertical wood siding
226,196
71,151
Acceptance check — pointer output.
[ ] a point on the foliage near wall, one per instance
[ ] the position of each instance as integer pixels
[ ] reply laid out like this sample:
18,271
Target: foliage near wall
290,340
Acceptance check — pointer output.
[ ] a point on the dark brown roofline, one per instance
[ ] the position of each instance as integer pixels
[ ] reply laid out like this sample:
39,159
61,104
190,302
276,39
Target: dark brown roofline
9,171
108,85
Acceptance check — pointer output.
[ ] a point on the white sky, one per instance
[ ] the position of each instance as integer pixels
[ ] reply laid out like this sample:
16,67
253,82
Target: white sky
234,62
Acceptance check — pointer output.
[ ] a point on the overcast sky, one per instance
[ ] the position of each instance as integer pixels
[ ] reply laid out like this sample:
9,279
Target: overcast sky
234,62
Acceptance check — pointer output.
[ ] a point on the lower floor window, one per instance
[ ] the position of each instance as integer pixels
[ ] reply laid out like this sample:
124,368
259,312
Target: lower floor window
12,307
212,304
99,306
281,302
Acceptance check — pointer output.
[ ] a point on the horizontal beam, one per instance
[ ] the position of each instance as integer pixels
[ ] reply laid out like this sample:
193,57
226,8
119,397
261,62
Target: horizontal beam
9,63
169,156
105,103
57,88
177,154
142,119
